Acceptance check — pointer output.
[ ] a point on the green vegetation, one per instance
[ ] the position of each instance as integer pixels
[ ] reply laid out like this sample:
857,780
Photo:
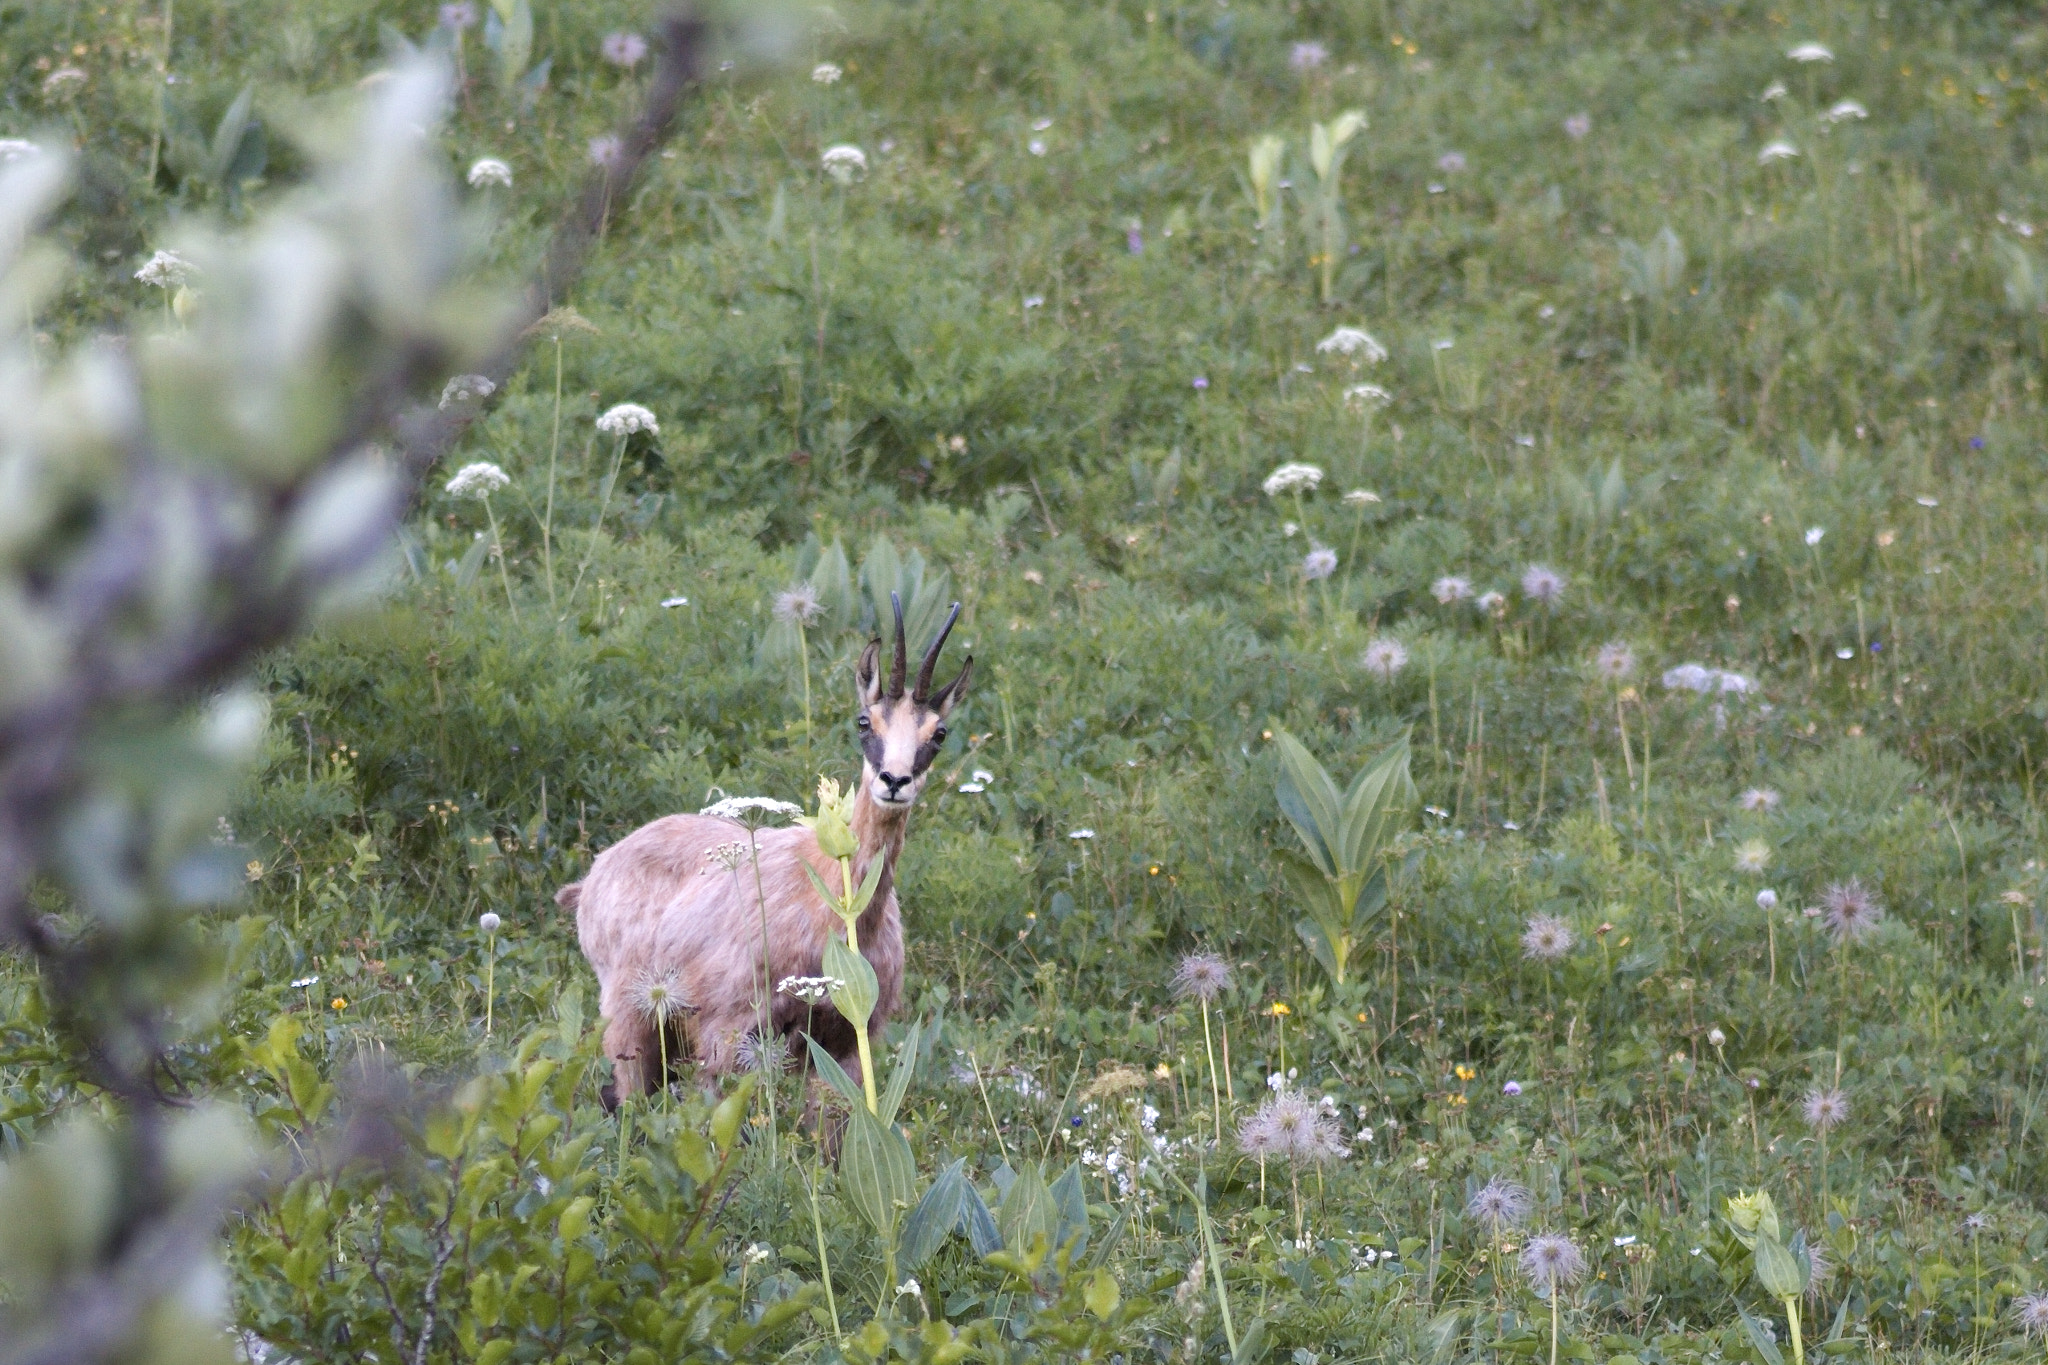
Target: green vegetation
1673,510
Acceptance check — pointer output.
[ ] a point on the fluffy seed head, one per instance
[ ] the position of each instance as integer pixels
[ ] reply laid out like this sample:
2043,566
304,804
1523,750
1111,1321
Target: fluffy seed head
2030,1311
1451,588
798,606
660,996
1758,799
1541,583
488,921
1752,856
1824,1109
624,49
1203,976
1307,56
1851,910
1384,658
1319,563
1551,1260
1547,938
768,1057
1615,662
1291,1127
1500,1204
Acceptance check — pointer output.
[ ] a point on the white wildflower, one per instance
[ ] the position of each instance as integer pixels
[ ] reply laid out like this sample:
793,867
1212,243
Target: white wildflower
1810,52
466,388
1358,395
1319,563
1780,150
741,808
844,162
1360,497
826,73
165,270
623,419
478,480
1384,658
1293,478
1846,110
1353,341
488,171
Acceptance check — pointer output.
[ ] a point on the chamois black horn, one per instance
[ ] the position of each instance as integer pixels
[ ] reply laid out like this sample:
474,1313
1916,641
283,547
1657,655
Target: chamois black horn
931,656
902,660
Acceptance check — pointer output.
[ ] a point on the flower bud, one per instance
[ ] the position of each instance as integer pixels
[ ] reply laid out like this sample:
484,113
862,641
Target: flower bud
1767,900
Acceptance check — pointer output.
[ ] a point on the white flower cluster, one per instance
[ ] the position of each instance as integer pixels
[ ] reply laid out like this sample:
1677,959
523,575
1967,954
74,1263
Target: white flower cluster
1353,341
810,989
478,480
740,807
624,419
1699,678
166,270
466,388
1293,478
827,73
844,162
488,171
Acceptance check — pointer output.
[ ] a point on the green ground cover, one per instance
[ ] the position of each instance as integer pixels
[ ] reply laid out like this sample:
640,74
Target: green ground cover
1678,350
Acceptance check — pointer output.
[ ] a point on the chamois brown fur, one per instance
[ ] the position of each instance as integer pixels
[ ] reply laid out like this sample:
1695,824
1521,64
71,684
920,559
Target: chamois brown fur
657,906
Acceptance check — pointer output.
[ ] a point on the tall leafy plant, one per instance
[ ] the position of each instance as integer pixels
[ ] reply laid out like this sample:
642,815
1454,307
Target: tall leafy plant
1342,882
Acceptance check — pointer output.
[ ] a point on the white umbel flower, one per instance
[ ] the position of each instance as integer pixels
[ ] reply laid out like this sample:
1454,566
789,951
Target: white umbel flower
623,419
1293,478
487,171
826,73
844,163
467,388
478,480
743,807
1780,150
1810,52
1846,110
166,270
1353,341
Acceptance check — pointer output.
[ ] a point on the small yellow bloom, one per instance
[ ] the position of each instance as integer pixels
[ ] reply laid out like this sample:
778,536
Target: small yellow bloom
1464,1072
1278,1009
254,871
339,1003
1162,1071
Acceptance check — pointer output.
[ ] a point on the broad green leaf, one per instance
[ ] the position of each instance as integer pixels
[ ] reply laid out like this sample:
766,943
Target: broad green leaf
1320,947
1318,808
877,1173
1028,1212
1102,1295
834,1074
935,1217
732,1111
855,997
1071,1202
979,1224
865,892
899,1079
1760,1339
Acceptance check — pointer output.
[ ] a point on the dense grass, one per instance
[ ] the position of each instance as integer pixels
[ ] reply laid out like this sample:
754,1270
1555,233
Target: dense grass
1042,343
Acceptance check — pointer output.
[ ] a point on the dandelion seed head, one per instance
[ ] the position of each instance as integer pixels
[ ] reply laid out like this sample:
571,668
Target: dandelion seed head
1500,1204
1824,1109
1319,563
1384,658
798,606
1201,976
488,921
1541,583
1551,1261
1494,604
1291,1127
1752,856
1716,1038
1758,799
625,49
1615,662
767,1056
1767,900
458,15
1850,910
1451,588
2031,1312
1307,56
659,995
1577,126
1547,938
604,149
1450,163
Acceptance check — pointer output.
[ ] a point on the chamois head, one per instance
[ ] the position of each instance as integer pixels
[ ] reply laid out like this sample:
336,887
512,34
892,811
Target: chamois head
900,732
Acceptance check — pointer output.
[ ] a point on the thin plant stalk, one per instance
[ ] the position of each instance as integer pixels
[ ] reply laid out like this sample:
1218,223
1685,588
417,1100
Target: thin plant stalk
498,544
1229,1081
1215,1093
1792,1321
1553,1325
803,647
860,1029
767,974
547,524
490,977
163,112
824,1257
597,527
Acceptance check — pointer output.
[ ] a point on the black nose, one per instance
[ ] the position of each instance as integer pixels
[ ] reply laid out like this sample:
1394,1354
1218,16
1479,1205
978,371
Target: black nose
893,783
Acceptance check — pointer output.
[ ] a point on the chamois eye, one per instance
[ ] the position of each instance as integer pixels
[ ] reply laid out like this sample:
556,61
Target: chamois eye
939,735
861,722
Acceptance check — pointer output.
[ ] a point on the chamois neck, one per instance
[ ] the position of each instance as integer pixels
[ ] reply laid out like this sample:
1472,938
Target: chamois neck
878,833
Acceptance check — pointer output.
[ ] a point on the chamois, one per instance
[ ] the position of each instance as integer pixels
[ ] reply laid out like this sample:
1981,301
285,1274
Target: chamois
662,919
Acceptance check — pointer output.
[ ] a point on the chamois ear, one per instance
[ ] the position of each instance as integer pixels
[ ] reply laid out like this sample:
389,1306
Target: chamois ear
942,701
867,679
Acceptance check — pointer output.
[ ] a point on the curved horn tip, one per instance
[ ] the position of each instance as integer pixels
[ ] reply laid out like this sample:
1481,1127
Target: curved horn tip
931,655
901,663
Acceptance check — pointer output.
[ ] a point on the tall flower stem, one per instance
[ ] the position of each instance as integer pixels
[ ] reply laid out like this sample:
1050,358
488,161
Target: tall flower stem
490,977
1553,1325
803,647
860,1028
498,548
547,524
824,1257
1215,1092
596,527
1792,1322
767,975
